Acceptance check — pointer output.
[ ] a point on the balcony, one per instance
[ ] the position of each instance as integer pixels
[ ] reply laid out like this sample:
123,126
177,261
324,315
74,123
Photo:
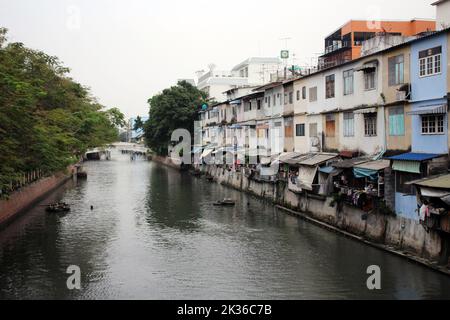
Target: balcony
336,46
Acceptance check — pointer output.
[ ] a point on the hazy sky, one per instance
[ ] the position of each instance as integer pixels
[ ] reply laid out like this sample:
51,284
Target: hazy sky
128,50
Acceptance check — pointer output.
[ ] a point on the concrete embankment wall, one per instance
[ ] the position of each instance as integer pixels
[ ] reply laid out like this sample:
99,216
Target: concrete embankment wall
164,160
402,236
400,233
24,198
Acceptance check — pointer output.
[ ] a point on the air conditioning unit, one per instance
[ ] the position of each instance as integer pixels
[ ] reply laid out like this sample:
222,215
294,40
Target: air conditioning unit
401,95
315,144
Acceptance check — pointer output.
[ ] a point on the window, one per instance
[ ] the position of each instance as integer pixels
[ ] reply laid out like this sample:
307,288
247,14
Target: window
370,124
329,83
401,180
300,130
291,97
348,82
313,94
349,124
369,79
247,106
285,98
258,104
313,130
396,70
430,62
268,101
330,126
396,121
298,95
432,124
274,101
304,93
288,127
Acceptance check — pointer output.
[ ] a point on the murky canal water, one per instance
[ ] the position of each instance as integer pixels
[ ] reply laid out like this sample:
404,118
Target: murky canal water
154,234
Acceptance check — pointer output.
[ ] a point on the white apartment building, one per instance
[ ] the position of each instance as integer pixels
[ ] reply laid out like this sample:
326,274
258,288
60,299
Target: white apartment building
251,72
442,14
341,108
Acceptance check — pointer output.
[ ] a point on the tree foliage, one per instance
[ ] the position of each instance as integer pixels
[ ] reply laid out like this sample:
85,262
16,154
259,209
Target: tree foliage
138,124
174,108
47,120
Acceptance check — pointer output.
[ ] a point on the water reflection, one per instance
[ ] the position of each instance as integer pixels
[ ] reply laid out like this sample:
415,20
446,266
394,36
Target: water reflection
154,234
172,200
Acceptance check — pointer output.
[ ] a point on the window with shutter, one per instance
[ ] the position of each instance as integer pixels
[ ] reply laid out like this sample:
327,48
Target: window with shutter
349,124
396,121
329,84
330,127
313,94
313,130
396,70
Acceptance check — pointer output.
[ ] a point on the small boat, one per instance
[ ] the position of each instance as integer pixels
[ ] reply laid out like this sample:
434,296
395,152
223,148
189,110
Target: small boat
82,175
225,202
59,207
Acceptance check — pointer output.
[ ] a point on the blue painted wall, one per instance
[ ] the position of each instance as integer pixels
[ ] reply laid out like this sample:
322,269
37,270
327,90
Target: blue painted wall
428,91
432,87
436,143
406,206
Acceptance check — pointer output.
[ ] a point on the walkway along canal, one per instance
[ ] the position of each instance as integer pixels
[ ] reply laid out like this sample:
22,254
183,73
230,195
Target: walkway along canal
155,234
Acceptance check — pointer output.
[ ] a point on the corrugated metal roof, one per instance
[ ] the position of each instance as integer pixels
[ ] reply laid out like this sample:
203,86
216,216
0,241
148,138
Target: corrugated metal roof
415,157
288,156
406,166
374,165
435,109
318,159
441,182
350,163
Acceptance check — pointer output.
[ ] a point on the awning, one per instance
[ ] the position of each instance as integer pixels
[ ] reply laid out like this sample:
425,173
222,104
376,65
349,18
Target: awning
415,156
434,193
374,165
441,182
364,111
206,153
435,109
406,166
288,156
317,159
249,123
368,66
350,163
327,170
361,173
266,161
306,176
219,150
197,149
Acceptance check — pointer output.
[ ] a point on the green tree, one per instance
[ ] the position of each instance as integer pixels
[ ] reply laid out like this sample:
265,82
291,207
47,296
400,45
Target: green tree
47,120
138,124
174,108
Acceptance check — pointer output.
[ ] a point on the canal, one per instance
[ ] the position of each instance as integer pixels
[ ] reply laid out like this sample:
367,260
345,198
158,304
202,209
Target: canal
154,234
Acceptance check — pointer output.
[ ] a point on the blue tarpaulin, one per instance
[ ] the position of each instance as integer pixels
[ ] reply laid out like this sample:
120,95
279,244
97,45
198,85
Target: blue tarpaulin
415,157
360,173
327,170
